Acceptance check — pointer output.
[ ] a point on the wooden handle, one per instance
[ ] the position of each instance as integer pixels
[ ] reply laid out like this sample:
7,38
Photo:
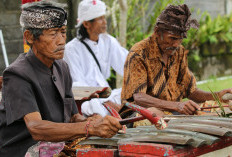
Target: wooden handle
210,107
131,120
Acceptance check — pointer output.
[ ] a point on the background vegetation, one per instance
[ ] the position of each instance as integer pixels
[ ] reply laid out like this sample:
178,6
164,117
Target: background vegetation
216,85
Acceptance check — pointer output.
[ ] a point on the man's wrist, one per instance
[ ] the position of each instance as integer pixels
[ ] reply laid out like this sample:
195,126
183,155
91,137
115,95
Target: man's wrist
177,106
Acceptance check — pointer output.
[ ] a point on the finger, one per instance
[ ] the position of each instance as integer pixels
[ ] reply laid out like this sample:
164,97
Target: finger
114,122
94,95
108,124
107,133
190,107
111,134
186,110
195,105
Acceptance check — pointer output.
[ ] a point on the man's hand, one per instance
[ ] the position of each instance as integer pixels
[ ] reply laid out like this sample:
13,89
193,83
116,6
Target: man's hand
77,118
104,127
188,107
223,92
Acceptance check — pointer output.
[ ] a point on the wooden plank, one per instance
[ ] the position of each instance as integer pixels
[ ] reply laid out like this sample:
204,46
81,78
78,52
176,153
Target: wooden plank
146,148
159,138
83,93
208,129
93,152
207,138
201,121
150,149
170,117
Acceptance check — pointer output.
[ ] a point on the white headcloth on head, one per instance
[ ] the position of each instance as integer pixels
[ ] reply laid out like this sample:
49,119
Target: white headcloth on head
90,9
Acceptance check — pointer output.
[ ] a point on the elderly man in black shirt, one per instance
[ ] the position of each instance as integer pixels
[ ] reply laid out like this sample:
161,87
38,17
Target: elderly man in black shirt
37,102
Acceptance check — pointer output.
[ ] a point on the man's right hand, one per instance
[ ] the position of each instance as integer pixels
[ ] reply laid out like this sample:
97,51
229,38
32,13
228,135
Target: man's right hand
188,107
104,127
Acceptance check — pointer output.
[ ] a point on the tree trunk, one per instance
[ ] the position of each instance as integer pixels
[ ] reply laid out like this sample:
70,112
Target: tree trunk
122,31
123,22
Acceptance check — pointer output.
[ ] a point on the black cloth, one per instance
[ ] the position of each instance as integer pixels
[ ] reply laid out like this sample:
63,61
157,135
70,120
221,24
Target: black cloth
30,86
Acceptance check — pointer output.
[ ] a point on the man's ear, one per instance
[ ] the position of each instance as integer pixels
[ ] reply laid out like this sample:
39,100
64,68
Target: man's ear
28,36
156,30
86,24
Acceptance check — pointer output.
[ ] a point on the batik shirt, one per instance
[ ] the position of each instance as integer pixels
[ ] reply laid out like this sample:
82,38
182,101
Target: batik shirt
145,72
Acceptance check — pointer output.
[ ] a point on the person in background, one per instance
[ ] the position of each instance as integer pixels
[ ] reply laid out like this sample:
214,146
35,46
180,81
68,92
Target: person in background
156,73
38,109
93,53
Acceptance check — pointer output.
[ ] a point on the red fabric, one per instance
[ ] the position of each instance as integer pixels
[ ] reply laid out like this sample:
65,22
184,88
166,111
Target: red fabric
29,1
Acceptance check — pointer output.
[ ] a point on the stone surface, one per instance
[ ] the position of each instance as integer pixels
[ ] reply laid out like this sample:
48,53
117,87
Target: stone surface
9,19
214,7
12,4
12,32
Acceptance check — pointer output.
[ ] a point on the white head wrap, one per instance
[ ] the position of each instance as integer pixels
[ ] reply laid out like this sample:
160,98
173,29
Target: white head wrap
90,9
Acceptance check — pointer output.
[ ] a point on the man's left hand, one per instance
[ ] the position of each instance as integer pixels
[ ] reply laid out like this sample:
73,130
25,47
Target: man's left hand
223,92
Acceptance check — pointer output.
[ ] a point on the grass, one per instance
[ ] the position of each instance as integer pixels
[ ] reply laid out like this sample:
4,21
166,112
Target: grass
216,85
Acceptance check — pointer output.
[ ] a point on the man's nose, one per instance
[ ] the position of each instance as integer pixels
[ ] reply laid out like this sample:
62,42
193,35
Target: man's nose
177,43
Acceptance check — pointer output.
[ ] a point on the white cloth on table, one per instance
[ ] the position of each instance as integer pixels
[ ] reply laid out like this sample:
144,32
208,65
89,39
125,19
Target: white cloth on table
88,108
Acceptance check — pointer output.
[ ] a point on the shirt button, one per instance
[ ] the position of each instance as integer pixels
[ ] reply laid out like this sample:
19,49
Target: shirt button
54,78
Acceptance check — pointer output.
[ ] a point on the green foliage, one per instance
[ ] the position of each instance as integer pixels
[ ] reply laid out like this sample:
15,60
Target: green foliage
215,85
112,79
213,37
141,18
217,99
211,31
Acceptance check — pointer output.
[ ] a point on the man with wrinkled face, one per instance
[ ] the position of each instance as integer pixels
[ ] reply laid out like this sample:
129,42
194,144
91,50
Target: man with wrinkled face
156,73
38,107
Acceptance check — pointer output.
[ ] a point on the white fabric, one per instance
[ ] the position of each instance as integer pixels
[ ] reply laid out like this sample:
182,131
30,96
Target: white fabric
90,9
88,108
85,71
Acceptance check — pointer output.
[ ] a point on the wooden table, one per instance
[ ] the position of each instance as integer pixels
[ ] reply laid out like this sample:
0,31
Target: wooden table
84,93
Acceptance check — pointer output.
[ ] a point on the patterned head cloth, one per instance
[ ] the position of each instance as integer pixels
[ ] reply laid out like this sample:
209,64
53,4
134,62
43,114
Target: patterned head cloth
90,9
43,15
176,20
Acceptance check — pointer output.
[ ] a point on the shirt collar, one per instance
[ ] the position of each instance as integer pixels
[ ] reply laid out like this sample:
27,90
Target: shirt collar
91,42
157,54
36,63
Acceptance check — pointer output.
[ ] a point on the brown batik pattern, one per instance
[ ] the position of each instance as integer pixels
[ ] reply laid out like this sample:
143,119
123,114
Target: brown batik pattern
144,72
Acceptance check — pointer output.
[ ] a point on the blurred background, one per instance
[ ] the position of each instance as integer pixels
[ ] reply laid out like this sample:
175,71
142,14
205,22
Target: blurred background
210,48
